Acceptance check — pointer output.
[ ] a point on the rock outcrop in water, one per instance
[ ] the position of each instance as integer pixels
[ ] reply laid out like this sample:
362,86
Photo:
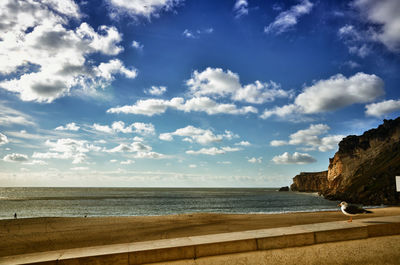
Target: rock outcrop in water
363,170
310,181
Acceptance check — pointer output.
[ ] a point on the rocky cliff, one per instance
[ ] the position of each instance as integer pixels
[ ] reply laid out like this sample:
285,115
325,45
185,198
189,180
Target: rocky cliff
310,181
363,170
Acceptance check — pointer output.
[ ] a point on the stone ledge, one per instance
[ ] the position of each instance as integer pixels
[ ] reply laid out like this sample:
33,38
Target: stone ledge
214,245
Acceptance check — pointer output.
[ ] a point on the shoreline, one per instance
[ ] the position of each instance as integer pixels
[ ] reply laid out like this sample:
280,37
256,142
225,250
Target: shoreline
28,235
194,213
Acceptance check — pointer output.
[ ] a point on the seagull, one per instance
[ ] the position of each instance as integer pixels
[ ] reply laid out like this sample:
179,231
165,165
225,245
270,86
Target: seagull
351,210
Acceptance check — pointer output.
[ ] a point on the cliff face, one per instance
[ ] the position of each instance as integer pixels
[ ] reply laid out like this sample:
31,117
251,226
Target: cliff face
363,170
310,181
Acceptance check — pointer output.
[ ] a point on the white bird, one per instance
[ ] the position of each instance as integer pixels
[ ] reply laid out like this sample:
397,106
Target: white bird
351,210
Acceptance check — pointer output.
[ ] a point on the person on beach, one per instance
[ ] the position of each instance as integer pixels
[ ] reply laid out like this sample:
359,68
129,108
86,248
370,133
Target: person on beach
15,215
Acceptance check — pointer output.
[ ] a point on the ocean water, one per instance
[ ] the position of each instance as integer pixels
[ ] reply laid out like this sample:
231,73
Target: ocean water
41,202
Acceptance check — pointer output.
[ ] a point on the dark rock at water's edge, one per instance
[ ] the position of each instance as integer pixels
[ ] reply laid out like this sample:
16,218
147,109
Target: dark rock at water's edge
363,170
286,188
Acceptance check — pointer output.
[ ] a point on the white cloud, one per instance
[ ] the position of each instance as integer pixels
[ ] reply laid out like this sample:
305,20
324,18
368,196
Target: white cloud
215,82
224,162
193,166
137,45
198,135
152,107
138,139
108,70
310,138
241,8
3,139
119,126
339,91
50,57
145,8
296,158
281,112
102,128
255,160
68,127
138,150
278,143
14,157
144,128
288,19
195,34
384,14
243,143
156,90
67,148
79,168
213,151
381,108
332,94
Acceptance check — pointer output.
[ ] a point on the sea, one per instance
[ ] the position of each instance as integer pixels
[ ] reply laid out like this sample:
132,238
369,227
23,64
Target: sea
96,202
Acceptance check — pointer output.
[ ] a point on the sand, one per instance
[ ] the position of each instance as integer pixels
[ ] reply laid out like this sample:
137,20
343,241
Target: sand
30,235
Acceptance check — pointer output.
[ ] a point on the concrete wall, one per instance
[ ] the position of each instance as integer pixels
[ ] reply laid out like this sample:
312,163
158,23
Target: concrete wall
224,248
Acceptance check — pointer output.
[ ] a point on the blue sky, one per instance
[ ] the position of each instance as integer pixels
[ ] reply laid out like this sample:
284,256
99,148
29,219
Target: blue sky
173,93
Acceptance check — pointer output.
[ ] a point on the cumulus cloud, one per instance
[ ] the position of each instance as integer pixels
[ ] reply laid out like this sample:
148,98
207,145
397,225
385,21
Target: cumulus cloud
213,151
143,128
67,148
3,139
198,135
68,127
14,157
156,90
119,126
150,107
243,143
138,150
286,20
332,94
382,108
102,128
143,8
310,138
109,69
296,158
241,8
339,91
384,15
215,82
50,56
255,160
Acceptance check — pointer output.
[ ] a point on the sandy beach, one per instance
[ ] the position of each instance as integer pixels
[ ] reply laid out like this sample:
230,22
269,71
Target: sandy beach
30,235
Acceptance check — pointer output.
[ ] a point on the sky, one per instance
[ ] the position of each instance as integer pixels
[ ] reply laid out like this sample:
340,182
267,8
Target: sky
183,93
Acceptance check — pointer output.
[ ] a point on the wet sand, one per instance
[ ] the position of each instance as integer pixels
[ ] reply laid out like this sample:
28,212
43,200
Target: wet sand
20,236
